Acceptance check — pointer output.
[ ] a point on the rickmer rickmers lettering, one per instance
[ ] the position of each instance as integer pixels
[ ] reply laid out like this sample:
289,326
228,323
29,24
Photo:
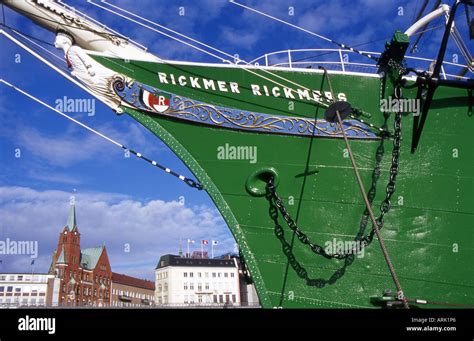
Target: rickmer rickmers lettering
256,89
262,143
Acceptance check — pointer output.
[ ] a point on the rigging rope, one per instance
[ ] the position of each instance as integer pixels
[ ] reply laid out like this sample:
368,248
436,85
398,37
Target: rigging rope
375,224
29,39
379,131
237,60
207,52
326,53
362,44
102,33
188,44
3,15
344,46
26,35
188,181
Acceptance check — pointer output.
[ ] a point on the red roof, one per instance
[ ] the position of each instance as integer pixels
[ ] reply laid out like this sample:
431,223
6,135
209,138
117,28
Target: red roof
132,281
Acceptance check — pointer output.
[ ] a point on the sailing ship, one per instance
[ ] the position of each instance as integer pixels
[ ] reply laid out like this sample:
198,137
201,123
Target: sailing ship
276,147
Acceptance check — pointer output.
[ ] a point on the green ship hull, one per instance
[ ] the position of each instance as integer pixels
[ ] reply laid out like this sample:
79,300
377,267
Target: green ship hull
428,231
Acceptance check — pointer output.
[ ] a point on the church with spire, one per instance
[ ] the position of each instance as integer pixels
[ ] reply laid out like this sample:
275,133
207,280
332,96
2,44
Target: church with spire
85,274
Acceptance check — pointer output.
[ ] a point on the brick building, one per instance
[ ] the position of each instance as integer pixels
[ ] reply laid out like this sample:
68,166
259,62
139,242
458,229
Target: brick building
85,274
131,292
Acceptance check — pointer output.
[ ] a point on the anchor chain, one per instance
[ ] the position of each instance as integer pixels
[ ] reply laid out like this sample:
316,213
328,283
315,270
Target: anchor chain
385,206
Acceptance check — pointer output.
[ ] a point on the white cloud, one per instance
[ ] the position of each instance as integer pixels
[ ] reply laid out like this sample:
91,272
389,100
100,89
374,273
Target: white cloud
52,176
59,150
239,38
151,228
71,147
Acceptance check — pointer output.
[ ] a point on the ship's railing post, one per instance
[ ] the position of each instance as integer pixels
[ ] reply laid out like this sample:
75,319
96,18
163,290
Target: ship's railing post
289,59
266,59
342,61
442,71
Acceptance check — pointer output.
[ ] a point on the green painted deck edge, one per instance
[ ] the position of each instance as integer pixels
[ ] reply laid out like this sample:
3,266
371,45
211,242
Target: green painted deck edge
215,195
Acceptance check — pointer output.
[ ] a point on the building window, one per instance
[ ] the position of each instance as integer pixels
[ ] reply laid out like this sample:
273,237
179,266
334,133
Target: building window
219,274
206,274
234,299
191,286
9,289
199,274
214,275
185,298
225,274
207,286
200,298
185,274
185,286
3,277
20,278
18,289
221,299
215,298
191,299
232,274
199,287
166,286
191,274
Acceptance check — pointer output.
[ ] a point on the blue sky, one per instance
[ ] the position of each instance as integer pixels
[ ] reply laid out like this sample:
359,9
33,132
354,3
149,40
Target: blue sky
125,201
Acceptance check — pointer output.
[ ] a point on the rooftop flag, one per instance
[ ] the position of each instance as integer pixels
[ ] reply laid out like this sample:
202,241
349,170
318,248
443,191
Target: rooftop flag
190,241
214,242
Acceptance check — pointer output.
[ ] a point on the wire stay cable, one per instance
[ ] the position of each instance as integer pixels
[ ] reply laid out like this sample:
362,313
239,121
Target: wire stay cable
344,46
188,181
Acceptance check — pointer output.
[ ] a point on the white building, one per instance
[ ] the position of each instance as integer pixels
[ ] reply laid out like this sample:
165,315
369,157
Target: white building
197,282
17,289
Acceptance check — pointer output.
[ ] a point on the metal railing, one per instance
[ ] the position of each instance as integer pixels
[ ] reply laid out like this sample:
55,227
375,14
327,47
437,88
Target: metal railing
347,61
